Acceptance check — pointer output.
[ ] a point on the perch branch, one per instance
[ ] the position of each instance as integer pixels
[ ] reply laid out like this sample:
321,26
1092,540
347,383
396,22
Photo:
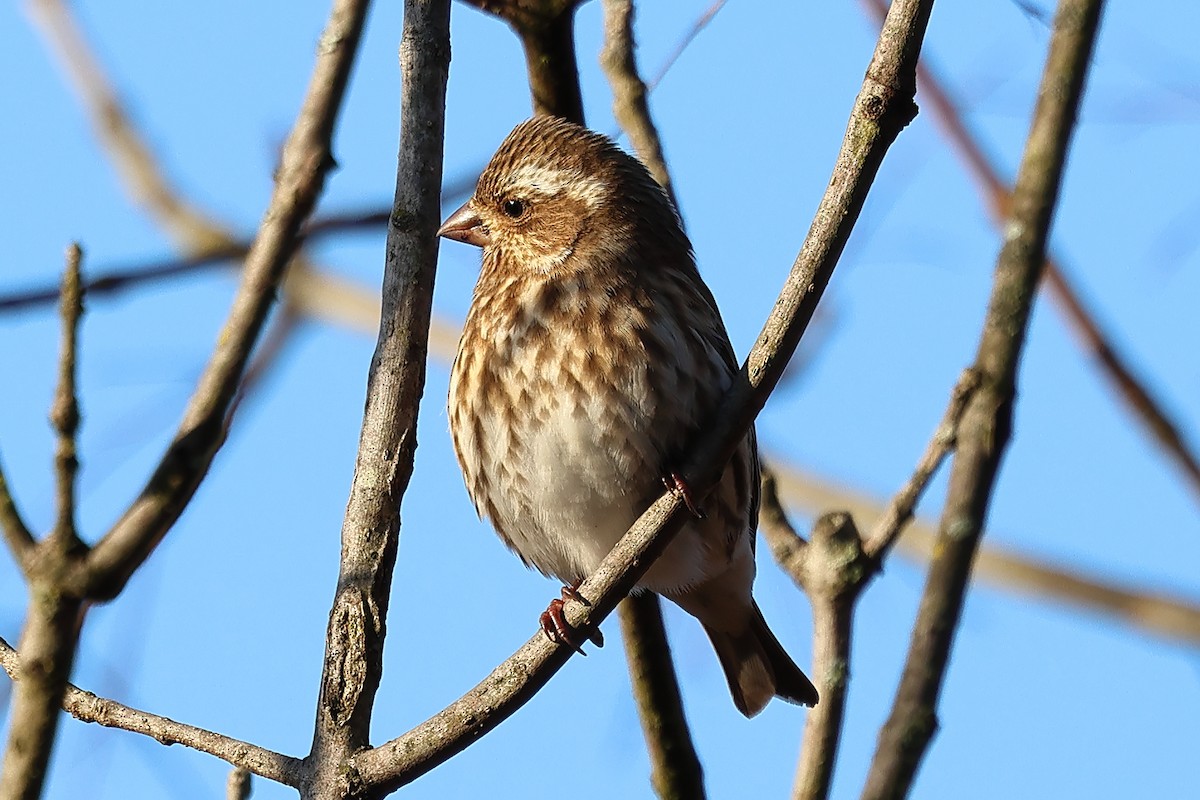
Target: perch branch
882,109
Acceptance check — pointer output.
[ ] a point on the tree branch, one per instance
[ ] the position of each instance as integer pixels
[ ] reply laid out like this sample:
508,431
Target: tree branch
546,29
1137,395
883,108
388,440
630,108
87,707
675,770
16,533
305,162
900,509
833,570
986,424
52,623
64,412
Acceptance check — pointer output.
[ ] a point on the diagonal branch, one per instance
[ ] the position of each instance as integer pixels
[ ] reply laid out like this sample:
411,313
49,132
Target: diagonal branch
630,107
882,109
87,707
1093,338
306,160
987,419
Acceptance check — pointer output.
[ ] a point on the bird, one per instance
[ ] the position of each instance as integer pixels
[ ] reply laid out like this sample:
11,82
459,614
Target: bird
592,352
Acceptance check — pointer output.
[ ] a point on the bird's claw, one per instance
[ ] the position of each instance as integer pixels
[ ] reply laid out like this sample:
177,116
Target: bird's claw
675,482
558,630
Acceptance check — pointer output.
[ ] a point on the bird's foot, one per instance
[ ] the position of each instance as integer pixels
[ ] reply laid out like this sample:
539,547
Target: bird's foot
558,630
675,482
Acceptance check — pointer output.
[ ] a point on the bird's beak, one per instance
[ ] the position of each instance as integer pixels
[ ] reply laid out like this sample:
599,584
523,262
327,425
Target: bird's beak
464,225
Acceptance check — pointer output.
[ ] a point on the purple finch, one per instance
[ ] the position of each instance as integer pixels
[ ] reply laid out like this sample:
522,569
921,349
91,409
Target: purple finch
591,353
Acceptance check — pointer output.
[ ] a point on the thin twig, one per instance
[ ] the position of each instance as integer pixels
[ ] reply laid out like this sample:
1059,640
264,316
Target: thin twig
64,412
900,508
305,162
1144,608
114,280
87,707
128,150
1100,344
882,109
987,420
833,569
700,24
51,629
353,662
16,533
630,108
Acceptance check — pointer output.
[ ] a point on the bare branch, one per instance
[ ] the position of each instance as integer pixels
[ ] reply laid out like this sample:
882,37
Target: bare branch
900,509
52,622
118,279
87,707
1092,337
64,412
700,24
130,154
387,443
305,162
832,569
48,642
547,32
883,107
16,534
237,785
675,770
1146,608
629,92
987,419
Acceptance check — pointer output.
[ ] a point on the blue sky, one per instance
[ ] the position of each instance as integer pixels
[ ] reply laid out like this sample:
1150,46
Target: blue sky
224,626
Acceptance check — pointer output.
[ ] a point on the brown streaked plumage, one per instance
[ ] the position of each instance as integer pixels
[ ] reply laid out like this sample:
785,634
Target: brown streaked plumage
592,352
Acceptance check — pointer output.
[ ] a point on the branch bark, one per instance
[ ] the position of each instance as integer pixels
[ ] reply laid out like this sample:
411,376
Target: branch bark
987,419
546,29
1095,340
305,161
833,569
675,769
87,707
371,528
52,622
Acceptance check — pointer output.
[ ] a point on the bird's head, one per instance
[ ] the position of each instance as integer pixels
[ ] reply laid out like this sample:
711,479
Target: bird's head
556,195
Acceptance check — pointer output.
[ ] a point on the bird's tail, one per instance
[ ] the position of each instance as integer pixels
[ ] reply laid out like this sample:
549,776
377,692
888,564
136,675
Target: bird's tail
758,668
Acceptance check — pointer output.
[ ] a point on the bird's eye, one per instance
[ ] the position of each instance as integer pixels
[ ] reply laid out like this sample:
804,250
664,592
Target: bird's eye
513,208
